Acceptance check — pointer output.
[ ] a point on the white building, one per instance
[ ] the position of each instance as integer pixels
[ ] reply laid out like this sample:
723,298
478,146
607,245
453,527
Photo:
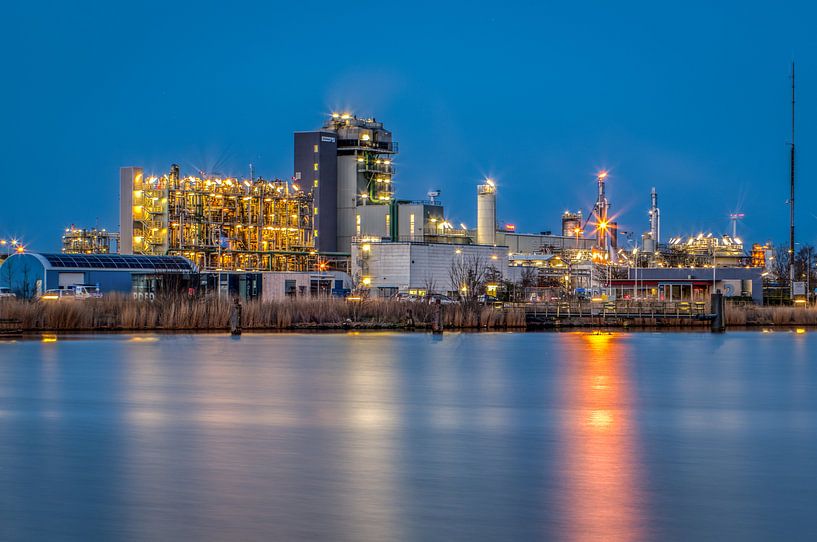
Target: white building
387,268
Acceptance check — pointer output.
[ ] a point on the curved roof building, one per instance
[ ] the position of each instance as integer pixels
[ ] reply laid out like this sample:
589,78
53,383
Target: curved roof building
30,274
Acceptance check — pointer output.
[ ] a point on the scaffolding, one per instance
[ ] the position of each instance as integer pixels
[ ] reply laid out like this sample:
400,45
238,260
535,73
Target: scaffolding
226,224
89,241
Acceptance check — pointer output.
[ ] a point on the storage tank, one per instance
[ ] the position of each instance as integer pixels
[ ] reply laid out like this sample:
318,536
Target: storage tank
571,224
486,213
647,243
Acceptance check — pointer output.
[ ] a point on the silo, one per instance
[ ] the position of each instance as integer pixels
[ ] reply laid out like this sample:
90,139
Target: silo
572,224
486,213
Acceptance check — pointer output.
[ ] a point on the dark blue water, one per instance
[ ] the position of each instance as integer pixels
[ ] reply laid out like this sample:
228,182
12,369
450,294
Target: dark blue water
569,436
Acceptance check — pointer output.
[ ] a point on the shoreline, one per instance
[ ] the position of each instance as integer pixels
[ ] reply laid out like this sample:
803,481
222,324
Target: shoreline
123,314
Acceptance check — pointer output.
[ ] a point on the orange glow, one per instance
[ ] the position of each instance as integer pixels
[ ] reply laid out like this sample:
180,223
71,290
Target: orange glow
603,489
602,175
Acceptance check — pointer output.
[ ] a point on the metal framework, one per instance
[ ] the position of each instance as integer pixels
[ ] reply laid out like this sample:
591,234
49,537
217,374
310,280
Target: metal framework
89,241
225,223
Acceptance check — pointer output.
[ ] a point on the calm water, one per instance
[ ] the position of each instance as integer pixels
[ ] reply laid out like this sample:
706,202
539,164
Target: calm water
557,436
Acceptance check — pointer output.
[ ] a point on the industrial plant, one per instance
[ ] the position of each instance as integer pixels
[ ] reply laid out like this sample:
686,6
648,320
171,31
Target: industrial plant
336,226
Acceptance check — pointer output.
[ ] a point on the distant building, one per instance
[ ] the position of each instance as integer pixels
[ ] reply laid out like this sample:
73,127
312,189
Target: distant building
89,241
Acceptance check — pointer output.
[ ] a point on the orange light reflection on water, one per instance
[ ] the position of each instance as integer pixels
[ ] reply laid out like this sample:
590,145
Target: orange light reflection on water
603,492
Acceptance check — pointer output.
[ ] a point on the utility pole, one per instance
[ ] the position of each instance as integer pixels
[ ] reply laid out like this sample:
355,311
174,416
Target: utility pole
791,196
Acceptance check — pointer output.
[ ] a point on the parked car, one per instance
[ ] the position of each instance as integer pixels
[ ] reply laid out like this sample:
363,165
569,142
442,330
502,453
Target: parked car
405,296
486,299
78,292
443,299
6,293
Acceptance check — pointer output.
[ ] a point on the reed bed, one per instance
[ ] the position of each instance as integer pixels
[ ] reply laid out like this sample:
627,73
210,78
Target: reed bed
120,312
751,315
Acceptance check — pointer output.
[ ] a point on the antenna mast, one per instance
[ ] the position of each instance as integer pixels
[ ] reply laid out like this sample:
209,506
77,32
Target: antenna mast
791,196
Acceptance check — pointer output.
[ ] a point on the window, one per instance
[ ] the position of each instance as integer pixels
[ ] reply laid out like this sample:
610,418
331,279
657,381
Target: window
315,149
411,226
315,183
315,165
357,224
388,222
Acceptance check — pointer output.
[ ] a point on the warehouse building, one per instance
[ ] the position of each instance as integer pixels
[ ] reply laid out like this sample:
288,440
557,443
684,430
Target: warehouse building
30,274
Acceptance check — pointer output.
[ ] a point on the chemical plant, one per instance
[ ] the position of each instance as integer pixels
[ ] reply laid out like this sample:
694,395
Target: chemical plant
336,225
217,223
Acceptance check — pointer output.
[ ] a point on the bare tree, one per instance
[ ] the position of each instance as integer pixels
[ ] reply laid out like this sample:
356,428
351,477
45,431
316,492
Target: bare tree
468,277
780,266
430,285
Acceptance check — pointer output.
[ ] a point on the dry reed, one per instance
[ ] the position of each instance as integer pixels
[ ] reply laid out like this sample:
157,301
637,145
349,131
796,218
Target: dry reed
752,315
121,312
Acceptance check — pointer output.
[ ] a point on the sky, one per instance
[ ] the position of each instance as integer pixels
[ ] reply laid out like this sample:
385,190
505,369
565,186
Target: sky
692,98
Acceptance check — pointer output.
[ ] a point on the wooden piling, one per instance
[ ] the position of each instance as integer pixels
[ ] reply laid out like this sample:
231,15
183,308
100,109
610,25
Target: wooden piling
235,318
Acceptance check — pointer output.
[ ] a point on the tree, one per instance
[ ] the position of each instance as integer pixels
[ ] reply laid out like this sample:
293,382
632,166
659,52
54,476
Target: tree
468,276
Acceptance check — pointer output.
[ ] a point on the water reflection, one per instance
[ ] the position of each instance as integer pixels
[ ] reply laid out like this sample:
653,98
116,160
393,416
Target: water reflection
602,490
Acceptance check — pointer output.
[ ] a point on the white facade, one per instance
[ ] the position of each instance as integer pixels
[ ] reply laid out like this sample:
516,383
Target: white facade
283,285
387,268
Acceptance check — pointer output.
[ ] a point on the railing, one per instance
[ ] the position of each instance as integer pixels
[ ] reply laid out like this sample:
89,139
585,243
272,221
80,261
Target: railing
385,169
618,309
386,146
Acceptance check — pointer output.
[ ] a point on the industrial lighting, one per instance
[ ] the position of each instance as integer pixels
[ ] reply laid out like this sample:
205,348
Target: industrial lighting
366,281
602,175
490,183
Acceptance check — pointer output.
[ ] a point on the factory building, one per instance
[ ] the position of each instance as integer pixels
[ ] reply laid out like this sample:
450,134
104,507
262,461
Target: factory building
689,284
275,286
89,241
386,268
30,274
218,223
346,164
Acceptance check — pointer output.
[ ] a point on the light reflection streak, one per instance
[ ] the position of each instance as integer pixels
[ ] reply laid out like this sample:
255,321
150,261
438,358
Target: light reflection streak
603,490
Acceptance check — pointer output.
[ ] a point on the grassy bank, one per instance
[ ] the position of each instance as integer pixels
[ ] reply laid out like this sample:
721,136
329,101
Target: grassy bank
210,314
750,315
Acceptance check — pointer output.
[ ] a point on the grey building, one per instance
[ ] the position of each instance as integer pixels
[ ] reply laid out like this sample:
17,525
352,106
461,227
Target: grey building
353,169
316,169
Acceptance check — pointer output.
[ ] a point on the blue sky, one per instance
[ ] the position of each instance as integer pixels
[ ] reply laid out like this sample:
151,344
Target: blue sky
692,98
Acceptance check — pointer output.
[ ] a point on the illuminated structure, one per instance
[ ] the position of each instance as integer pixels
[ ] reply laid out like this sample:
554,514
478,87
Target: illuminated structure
486,213
655,219
572,224
218,223
89,241
705,251
346,164
601,210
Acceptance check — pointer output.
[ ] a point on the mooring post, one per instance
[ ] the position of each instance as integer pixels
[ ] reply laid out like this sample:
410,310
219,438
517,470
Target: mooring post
718,306
235,318
437,324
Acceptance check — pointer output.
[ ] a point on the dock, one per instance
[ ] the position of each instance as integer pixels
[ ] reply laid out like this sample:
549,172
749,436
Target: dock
617,313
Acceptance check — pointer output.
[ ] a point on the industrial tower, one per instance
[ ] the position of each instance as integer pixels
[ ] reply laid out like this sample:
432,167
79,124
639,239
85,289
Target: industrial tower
346,164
